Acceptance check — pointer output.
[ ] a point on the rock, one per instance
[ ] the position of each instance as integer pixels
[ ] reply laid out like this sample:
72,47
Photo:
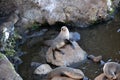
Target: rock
71,55
43,69
7,28
111,70
34,65
118,30
38,34
65,73
95,59
75,36
7,71
52,11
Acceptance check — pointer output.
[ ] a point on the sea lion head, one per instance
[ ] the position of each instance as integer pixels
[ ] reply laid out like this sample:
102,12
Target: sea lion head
65,32
111,69
64,29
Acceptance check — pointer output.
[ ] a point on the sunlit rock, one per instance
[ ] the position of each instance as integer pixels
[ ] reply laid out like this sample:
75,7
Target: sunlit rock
95,58
80,13
70,55
43,69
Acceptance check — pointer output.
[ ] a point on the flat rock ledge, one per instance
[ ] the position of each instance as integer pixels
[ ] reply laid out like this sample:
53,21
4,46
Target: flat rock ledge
69,57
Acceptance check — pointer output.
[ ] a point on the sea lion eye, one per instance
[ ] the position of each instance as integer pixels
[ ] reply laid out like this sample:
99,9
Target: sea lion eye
63,29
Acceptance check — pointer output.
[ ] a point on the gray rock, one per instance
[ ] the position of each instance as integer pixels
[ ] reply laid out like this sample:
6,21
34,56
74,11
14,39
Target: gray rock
43,69
118,30
71,55
7,71
75,36
34,65
79,13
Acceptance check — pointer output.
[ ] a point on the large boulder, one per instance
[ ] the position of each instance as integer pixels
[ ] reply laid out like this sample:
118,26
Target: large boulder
79,13
69,57
7,71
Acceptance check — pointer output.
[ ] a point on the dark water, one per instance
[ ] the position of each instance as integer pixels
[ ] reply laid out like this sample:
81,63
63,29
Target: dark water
102,39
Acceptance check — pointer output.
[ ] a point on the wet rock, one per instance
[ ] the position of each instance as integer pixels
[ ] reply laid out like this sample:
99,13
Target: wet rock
16,61
111,70
118,30
70,55
95,59
62,73
37,34
7,71
35,37
34,65
74,36
43,69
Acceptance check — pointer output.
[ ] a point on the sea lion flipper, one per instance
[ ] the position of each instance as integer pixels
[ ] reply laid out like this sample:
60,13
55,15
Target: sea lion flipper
58,51
54,54
69,42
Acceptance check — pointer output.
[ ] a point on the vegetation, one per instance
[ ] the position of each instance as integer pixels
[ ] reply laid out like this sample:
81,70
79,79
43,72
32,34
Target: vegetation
9,45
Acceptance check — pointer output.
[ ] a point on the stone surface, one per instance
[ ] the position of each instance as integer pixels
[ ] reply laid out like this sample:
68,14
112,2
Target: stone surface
71,55
75,36
7,71
43,69
79,13
65,73
95,58
7,29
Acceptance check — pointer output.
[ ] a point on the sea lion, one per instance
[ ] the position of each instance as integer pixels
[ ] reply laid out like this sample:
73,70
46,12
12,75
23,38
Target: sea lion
60,41
66,72
111,70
